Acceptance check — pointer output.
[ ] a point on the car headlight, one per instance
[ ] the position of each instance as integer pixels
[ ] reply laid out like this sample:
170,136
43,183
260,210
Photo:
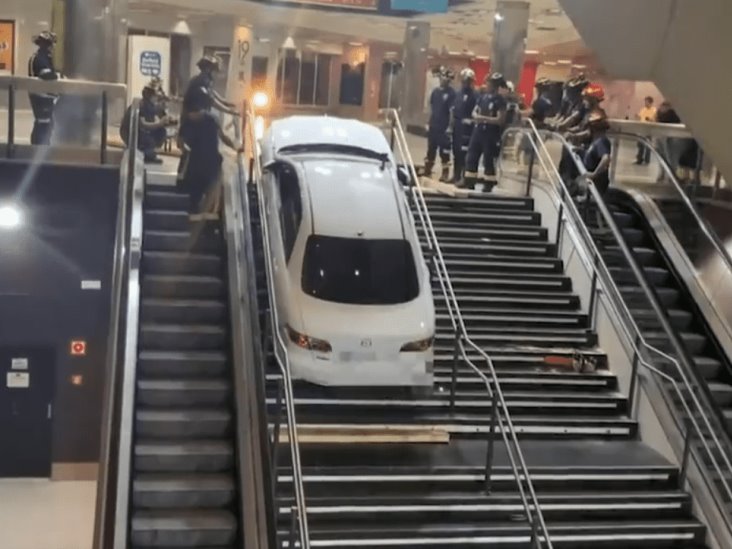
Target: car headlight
260,100
418,346
307,342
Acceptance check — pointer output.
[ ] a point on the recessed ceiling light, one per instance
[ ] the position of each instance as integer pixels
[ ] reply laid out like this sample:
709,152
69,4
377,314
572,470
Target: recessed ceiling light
564,61
532,52
356,44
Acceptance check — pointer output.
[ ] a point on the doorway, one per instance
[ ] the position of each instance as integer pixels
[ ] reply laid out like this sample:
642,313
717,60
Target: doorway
26,415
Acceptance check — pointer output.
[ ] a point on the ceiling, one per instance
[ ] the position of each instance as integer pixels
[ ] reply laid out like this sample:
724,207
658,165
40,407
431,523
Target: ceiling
466,27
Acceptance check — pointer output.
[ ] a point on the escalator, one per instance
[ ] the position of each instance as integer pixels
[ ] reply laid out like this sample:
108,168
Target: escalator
181,454
184,485
710,362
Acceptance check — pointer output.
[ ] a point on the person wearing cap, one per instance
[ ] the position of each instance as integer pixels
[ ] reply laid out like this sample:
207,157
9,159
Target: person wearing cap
40,65
462,121
199,170
538,114
490,116
597,157
442,100
573,107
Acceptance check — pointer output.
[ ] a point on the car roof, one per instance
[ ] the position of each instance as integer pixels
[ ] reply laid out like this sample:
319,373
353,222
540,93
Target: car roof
352,197
326,130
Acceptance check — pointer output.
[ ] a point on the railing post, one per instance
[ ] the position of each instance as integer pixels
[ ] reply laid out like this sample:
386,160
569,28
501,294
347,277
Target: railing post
634,380
453,379
392,139
560,226
105,123
491,442
10,150
532,161
592,307
685,459
293,527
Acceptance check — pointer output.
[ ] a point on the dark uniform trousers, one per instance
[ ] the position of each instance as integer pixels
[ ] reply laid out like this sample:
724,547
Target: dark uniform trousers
484,141
43,119
438,140
461,134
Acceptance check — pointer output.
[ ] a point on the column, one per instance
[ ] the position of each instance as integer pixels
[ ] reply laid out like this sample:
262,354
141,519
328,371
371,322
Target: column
239,79
510,28
94,48
414,56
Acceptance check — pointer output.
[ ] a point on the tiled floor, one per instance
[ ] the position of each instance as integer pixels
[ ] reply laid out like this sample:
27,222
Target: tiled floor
40,514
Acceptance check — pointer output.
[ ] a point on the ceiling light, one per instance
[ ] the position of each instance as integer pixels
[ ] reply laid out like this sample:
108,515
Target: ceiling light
532,52
550,63
356,44
288,44
10,217
498,17
564,62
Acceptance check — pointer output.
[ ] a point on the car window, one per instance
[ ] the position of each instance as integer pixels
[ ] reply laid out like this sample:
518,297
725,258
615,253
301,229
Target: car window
290,207
359,271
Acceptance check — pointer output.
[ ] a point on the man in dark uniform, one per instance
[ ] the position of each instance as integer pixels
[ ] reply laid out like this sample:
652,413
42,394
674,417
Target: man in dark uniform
40,65
462,121
152,125
442,100
490,116
200,165
539,112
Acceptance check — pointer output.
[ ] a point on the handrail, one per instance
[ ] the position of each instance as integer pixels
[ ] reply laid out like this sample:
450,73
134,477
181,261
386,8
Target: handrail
671,177
280,352
117,418
519,468
618,303
247,355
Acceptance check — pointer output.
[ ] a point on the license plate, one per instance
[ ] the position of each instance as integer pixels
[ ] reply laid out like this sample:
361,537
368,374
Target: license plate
351,356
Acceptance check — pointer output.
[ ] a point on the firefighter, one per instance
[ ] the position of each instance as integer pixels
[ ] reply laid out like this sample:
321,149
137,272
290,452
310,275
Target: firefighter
462,121
573,108
538,113
489,115
40,65
442,100
200,166
152,131
580,135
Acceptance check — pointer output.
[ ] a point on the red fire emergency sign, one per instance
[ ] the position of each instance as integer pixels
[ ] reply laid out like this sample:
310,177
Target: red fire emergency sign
78,348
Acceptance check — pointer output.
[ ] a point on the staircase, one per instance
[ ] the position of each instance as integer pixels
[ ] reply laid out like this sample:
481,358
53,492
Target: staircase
598,486
184,485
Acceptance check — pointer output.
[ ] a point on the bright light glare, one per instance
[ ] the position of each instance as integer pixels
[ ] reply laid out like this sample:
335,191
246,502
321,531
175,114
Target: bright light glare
260,100
498,17
9,217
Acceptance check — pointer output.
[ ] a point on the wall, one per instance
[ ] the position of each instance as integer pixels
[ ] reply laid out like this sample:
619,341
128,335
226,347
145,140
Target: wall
68,238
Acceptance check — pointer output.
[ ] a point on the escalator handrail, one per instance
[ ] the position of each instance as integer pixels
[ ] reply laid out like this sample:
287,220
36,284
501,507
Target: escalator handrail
246,356
280,348
112,509
530,503
631,328
671,176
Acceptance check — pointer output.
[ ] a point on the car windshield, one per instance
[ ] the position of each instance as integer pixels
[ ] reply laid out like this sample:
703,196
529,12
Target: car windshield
359,271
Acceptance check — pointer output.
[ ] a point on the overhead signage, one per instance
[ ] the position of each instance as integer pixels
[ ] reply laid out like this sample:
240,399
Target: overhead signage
151,63
421,6
372,5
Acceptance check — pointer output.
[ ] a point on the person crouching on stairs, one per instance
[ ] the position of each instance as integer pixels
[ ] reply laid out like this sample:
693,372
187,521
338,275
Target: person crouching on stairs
442,101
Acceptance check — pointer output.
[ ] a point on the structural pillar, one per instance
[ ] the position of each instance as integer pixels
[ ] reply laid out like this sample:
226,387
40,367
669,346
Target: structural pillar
510,28
94,48
414,57
239,79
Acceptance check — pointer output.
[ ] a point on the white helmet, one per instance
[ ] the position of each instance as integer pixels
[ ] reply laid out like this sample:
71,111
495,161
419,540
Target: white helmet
467,74
510,86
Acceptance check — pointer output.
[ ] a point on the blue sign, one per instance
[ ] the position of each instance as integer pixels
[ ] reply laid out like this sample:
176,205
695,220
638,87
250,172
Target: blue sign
422,6
151,63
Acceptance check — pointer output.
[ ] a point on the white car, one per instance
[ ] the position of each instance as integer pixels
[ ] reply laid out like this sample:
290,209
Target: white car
352,289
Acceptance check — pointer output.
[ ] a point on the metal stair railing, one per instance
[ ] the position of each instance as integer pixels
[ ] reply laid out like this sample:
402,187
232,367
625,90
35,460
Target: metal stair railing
691,426
501,419
285,393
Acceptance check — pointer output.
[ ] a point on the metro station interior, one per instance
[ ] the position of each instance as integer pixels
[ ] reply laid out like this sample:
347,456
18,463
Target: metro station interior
365,273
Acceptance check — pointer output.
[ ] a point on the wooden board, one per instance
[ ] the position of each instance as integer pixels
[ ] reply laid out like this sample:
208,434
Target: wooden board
368,434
